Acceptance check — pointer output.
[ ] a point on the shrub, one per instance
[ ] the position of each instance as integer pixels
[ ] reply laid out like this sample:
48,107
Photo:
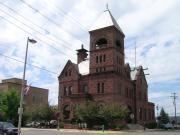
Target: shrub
151,125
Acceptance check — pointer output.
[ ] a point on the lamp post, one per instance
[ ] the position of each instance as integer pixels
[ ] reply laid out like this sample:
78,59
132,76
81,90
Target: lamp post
20,109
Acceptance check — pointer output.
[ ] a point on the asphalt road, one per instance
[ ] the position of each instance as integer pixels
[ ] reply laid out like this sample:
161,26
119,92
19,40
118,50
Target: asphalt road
77,132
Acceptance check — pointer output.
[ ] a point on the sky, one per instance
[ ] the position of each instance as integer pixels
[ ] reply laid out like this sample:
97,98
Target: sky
61,26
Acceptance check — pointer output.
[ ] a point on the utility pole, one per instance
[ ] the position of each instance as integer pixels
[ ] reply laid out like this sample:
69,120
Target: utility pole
174,103
157,109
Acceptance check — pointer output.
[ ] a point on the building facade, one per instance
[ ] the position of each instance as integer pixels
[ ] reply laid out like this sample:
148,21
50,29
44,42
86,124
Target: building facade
104,75
34,97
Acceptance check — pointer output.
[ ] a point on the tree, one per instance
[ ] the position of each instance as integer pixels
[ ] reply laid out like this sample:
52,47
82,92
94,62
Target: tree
95,114
9,103
40,113
113,112
163,118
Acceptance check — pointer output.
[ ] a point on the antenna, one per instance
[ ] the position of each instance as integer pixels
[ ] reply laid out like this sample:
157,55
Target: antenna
107,8
135,54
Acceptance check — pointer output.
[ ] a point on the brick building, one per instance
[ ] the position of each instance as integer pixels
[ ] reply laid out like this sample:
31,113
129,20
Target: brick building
104,75
35,96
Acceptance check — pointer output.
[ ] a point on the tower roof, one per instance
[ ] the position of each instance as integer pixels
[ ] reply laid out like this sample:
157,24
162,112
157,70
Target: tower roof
105,20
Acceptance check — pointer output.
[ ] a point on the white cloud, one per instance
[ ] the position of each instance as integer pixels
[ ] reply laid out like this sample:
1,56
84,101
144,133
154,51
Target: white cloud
144,16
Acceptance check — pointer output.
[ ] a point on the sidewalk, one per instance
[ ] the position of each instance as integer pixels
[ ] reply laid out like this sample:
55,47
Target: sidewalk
85,131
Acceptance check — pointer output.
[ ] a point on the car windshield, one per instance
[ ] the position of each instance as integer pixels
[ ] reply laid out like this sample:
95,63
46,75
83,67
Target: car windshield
8,125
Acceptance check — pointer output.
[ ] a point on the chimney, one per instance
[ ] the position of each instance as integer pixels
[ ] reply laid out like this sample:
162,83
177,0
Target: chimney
81,54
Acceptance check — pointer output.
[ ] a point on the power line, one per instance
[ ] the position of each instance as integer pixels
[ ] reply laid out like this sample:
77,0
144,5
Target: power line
63,12
35,66
49,19
33,24
45,30
34,36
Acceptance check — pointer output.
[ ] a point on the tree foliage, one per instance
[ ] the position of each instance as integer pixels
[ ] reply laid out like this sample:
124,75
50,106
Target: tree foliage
94,114
40,113
9,103
163,118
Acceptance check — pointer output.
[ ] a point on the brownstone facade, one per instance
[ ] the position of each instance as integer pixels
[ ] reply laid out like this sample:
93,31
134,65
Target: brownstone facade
104,76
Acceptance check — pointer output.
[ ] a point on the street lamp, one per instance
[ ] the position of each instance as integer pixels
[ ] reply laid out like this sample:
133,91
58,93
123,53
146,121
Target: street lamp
20,109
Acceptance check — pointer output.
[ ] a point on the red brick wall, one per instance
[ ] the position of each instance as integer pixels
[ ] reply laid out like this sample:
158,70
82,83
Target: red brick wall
115,78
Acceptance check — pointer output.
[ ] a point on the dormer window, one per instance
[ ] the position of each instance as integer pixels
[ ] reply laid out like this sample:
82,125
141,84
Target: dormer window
101,43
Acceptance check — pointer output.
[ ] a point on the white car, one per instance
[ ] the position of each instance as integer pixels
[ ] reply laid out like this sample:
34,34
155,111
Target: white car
168,126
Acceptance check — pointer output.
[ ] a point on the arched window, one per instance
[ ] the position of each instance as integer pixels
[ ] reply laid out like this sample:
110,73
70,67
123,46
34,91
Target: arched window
85,88
102,42
66,111
70,90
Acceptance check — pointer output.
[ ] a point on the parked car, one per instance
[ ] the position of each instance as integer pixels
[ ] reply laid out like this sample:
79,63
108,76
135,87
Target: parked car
33,124
53,124
168,126
7,128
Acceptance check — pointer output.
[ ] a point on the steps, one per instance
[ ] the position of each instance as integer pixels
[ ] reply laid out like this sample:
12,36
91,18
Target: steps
135,127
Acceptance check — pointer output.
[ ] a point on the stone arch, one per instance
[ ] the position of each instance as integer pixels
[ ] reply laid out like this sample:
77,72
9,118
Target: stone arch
103,41
66,111
130,112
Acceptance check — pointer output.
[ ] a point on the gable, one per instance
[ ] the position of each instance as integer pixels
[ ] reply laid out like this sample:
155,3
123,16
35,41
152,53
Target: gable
69,69
140,76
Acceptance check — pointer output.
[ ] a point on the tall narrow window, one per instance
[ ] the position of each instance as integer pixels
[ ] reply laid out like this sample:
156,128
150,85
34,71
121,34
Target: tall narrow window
65,93
102,88
98,88
140,113
70,90
96,59
100,58
140,96
119,89
104,57
69,72
66,74
85,88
